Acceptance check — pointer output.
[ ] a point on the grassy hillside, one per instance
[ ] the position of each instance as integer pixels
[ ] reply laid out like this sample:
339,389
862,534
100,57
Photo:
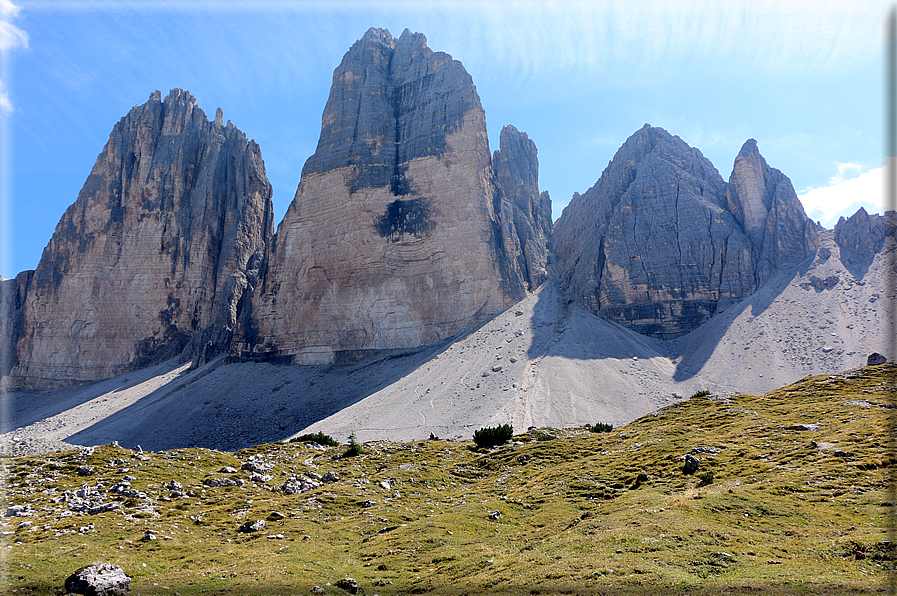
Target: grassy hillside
772,509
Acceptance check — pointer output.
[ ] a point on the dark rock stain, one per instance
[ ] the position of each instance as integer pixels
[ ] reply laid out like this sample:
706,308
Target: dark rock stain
406,216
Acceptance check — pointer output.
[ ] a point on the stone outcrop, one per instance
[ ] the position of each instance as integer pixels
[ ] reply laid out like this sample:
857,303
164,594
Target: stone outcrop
862,235
157,251
661,243
516,166
764,203
394,239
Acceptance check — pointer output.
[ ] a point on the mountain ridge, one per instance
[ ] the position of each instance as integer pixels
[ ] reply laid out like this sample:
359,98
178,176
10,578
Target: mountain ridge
409,243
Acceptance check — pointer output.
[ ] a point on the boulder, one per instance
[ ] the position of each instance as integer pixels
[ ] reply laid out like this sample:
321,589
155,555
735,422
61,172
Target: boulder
253,526
99,579
348,584
874,359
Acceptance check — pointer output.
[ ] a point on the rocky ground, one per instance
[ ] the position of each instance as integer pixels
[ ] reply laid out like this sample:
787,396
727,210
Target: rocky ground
785,493
543,362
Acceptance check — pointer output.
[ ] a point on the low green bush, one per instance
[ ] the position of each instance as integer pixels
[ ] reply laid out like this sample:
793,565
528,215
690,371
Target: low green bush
492,436
319,438
701,393
601,427
705,478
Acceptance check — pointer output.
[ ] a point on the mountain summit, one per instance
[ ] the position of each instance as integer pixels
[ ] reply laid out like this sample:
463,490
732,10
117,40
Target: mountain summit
155,251
399,235
661,243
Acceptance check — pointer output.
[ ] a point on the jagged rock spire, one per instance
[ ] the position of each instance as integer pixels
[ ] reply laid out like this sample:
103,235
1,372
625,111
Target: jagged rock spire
395,237
157,249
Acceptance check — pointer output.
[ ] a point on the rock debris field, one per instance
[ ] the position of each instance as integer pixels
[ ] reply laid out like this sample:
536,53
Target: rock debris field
542,362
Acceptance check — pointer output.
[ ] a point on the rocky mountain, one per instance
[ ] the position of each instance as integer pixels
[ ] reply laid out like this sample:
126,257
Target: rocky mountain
156,252
861,235
407,238
526,212
399,235
661,243
770,214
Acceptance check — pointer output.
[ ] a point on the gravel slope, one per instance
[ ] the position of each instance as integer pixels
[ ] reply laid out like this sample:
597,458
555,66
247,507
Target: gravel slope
544,362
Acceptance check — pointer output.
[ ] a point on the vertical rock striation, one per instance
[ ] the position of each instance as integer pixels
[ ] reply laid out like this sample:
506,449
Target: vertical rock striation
13,293
156,252
394,238
516,166
770,214
661,243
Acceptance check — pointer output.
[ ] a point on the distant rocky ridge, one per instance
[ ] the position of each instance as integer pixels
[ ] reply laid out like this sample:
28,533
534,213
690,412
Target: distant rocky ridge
861,235
661,243
404,232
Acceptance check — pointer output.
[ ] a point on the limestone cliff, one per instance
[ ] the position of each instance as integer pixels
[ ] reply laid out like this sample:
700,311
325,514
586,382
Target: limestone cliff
156,251
770,214
394,239
13,293
661,243
516,166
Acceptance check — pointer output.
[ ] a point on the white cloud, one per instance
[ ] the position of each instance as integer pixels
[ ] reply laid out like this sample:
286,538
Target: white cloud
843,197
844,172
5,102
10,36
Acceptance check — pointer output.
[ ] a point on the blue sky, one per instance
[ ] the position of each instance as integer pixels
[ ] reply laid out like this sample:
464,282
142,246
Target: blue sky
803,78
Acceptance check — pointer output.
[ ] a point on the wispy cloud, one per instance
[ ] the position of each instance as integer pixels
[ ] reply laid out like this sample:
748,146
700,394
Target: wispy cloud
5,102
844,172
844,196
10,36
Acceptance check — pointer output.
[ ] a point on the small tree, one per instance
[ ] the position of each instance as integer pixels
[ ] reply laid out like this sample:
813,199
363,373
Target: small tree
354,447
490,437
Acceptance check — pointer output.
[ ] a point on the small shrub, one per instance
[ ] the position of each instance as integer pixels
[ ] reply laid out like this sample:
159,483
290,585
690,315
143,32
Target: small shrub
642,477
318,437
354,447
701,393
490,437
601,427
545,437
705,478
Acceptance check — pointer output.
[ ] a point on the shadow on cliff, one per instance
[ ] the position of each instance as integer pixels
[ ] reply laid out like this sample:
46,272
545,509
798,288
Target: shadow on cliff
694,349
27,407
563,329
233,406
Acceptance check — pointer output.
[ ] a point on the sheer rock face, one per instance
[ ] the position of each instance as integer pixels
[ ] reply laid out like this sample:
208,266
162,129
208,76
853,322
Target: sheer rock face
157,250
764,203
654,245
394,239
862,235
13,293
516,167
